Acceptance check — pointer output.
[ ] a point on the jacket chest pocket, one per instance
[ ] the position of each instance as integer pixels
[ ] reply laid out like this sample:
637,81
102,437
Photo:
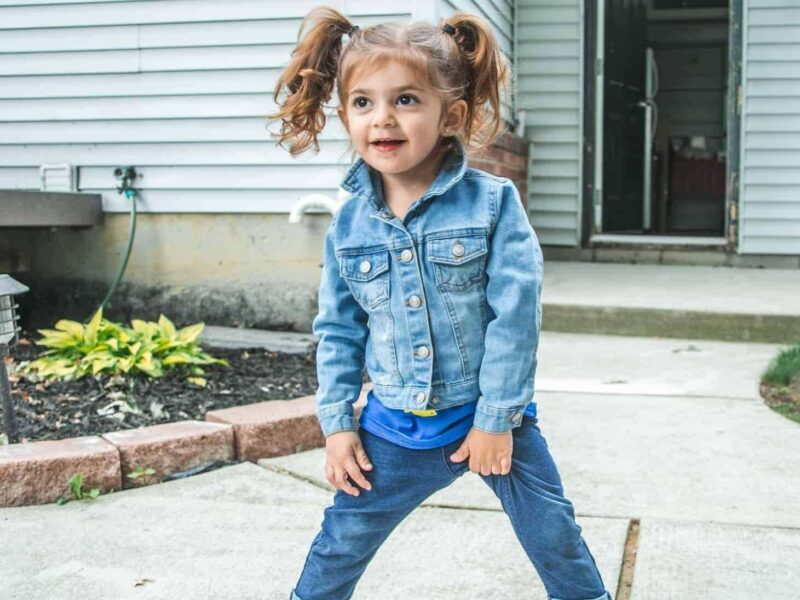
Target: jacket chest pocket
367,275
459,262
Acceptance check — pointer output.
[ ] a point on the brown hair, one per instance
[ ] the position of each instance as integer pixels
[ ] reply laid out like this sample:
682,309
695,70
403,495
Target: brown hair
466,65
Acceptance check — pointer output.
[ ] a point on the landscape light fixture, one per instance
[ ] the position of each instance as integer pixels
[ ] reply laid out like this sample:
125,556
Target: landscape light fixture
9,288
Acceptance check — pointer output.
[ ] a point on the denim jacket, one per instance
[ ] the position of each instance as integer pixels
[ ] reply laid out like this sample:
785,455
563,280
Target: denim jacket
443,306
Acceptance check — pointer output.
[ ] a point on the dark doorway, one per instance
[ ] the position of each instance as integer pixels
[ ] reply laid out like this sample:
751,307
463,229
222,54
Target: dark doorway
665,92
623,118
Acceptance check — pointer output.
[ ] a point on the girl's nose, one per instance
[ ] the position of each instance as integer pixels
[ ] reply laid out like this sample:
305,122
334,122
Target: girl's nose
384,116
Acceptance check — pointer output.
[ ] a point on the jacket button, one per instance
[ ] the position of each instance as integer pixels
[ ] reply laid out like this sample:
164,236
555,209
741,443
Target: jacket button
458,249
406,255
516,418
414,301
420,397
435,400
423,352
365,266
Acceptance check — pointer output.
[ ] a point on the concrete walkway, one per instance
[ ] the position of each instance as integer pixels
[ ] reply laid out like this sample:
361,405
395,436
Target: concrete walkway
675,287
666,438
698,302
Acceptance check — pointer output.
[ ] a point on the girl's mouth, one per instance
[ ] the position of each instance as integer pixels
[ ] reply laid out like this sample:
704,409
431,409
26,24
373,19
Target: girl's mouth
387,145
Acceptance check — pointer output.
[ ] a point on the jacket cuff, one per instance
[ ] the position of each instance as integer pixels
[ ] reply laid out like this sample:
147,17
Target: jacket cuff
491,419
336,417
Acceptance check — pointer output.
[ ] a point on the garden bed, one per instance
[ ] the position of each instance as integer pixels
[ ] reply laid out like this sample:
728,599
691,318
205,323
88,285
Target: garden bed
95,405
784,399
780,383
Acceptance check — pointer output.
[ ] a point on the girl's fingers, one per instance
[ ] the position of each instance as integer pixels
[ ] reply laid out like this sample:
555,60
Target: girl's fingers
356,475
343,484
363,459
329,475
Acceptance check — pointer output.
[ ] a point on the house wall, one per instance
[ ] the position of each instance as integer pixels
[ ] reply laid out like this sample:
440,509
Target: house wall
179,90
550,83
769,208
500,13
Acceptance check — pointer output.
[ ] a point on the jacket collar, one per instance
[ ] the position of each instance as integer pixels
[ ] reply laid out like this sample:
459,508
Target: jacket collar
364,181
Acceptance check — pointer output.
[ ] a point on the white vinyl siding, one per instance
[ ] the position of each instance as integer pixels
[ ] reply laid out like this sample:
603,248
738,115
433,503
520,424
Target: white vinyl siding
500,14
769,220
550,80
178,89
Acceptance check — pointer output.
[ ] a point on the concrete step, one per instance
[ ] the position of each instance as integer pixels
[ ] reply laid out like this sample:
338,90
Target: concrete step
690,302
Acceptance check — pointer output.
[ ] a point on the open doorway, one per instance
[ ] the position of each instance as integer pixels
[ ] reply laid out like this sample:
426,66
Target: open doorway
664,118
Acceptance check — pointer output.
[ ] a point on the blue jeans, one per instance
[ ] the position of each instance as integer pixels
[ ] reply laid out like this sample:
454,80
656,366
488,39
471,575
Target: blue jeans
354,527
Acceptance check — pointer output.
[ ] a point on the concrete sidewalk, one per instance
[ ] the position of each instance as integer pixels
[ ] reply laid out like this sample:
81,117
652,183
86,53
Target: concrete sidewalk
697,302
667,434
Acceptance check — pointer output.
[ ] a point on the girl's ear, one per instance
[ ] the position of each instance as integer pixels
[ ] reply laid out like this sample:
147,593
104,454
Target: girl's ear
455,117
343,117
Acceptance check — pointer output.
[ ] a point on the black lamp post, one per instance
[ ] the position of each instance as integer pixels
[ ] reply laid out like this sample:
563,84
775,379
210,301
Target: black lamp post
8,337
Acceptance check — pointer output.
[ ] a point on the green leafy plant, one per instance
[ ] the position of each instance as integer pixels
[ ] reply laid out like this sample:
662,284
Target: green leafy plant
104,347
75,486
141,471
784,367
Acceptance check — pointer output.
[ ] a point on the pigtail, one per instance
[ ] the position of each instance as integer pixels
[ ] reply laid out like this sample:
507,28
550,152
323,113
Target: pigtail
488,74
309,79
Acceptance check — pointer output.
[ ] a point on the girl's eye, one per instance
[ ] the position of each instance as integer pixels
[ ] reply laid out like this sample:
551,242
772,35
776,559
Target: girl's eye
357,101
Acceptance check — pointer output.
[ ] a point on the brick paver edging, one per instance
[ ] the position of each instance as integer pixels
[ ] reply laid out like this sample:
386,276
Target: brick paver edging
39,472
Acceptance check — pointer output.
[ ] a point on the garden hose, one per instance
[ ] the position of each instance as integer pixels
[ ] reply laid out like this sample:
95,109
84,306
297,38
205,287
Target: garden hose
124,187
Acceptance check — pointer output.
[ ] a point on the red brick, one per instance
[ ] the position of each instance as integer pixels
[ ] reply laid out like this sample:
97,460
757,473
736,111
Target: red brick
522,186
276,427
515,161
518,174
39,472
483,165
513,143
169,448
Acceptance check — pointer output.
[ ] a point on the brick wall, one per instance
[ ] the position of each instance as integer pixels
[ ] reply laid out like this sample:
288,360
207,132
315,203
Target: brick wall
507,157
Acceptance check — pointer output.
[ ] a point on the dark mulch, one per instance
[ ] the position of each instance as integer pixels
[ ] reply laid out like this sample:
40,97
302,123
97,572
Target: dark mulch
71,409
784,399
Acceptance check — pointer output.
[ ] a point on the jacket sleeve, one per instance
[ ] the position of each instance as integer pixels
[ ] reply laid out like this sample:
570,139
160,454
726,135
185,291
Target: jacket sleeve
515,267
341,326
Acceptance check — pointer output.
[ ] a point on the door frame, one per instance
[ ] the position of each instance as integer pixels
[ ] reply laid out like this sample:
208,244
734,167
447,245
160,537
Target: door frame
592,154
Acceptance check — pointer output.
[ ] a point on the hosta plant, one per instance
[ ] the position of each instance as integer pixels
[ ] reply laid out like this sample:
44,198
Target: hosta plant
103,347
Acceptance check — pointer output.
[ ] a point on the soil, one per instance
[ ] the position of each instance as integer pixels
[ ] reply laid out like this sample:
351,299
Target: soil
783,399
94,405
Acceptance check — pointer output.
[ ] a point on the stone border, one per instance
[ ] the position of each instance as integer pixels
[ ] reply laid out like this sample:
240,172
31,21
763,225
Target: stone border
39,472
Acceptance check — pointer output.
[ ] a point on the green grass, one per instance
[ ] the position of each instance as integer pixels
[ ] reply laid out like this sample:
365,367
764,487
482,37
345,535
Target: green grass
784,367
780,383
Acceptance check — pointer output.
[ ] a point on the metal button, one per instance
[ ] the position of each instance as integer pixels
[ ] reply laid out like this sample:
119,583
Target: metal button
435,400
516,418
414,301
365,266
423,352
421,397
406,255
458,249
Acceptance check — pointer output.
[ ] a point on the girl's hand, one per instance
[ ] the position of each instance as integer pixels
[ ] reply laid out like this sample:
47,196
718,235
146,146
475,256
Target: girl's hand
346,456
489,453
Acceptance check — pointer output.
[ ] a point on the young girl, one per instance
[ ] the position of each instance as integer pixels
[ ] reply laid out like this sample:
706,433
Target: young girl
432,280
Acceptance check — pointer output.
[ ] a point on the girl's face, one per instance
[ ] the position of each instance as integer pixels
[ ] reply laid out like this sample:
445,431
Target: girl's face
391,104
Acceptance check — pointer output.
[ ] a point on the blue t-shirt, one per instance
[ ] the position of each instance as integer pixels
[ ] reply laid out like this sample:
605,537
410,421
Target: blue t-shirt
413,431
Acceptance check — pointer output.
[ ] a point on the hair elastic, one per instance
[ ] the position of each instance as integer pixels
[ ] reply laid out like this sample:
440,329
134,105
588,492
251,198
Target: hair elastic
447,28
352,30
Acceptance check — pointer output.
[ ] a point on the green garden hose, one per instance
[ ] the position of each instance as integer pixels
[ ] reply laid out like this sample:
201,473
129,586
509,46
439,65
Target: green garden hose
125,187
